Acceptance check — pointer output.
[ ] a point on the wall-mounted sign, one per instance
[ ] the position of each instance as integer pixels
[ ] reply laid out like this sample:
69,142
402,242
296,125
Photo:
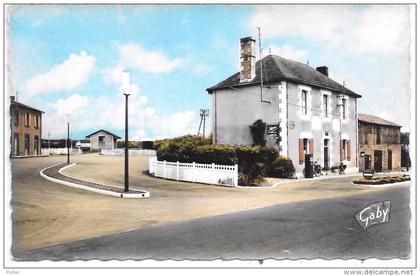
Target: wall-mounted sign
290,124
273,129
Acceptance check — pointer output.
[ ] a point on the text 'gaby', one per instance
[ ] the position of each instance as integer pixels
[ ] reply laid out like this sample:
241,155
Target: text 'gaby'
373,214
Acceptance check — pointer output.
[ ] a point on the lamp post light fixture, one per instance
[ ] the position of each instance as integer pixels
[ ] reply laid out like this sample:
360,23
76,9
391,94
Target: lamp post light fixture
125,81
68,138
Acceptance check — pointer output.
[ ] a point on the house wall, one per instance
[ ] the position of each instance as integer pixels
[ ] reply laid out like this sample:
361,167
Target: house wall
389,140
109,142
22,129
316,126
235,109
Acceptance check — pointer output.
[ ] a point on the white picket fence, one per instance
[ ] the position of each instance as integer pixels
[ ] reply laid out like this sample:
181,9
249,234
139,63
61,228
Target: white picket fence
143,152
194,172
49,151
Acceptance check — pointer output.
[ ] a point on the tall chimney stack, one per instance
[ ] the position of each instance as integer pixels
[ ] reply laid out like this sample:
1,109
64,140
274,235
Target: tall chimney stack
323,70
247,59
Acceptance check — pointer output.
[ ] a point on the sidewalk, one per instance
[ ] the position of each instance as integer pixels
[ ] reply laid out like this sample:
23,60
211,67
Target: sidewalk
53,173
277,181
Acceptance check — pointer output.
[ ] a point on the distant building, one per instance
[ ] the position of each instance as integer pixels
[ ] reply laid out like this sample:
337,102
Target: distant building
102,139
26,129
379,144
307,113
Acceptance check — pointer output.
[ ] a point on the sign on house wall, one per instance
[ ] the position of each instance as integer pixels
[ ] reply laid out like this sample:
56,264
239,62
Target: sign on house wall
273,129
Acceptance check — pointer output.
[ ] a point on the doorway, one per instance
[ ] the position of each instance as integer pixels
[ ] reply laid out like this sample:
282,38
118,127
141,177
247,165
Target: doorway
326,154
101,143
378,160
390,160
26,144
16,144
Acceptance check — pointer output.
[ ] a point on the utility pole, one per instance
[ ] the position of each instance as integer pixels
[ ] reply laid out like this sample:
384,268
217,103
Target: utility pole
203,114
261,67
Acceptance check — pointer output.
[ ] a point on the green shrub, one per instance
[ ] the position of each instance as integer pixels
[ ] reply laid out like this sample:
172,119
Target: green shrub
254,162
258,132
282,167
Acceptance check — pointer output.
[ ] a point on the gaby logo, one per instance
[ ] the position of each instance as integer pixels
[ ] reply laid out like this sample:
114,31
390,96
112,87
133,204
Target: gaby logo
373,214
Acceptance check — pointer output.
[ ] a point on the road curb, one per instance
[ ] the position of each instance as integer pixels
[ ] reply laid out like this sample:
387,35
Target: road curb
143,194
274,185
383,185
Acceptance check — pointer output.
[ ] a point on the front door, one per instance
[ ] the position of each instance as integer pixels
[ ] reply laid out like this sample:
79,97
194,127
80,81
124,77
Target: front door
378,160
390,160
16,145
26,144
326,154
367,162
101,142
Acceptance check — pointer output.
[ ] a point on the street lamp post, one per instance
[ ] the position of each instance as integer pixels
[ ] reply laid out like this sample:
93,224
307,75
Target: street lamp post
126,92
68,139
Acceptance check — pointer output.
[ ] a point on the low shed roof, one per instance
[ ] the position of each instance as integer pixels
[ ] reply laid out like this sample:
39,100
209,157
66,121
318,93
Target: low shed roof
116,136
370,119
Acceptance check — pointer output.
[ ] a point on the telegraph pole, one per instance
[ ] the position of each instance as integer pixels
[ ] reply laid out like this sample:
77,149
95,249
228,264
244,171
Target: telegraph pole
203,114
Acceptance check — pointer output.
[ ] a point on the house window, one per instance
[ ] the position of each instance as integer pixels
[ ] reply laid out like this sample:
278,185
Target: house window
16,118
304,102
344,108
36,121
378,135
306,146
325,105
345,150
27,120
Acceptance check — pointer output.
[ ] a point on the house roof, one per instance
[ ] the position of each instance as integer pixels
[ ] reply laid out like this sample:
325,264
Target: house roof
21,105
277,69
116,136
370,119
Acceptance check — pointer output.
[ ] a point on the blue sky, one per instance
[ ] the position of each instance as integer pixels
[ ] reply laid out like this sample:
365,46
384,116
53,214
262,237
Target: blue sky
68,59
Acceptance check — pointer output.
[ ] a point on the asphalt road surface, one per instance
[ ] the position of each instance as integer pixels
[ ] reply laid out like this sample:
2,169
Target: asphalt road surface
312,229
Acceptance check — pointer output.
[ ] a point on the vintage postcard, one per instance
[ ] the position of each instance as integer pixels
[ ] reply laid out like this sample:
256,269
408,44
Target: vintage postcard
210,135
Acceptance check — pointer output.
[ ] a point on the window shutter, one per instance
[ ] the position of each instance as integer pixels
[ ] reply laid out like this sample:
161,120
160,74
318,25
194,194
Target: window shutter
348,150
341,150
311,146
300,151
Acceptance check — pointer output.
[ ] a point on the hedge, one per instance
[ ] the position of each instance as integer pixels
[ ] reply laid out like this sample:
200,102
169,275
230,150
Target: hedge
254,161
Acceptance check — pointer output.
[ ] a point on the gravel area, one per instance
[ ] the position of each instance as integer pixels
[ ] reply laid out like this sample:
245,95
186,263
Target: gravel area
53,172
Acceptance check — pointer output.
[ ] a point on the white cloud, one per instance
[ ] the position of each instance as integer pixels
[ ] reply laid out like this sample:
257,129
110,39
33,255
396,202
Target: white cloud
202,69
133,55
370,29
175,124
87,113
70,74
380,29
287,51
71,104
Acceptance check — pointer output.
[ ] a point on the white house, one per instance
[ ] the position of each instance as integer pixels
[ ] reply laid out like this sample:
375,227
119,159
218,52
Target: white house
312,113
102,139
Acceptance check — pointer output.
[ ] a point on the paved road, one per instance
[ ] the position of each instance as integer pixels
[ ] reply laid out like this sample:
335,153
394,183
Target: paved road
319,228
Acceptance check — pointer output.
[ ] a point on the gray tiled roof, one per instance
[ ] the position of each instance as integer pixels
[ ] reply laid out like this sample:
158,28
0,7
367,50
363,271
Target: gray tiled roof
116,136
277,69
375,120
24,106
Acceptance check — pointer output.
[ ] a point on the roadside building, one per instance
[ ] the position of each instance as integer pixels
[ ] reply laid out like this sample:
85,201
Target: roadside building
102,139
379,144
306,111
26,129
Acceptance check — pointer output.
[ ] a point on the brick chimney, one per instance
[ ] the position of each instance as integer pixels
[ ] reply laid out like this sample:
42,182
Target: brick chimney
247,59
12,99
323,70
